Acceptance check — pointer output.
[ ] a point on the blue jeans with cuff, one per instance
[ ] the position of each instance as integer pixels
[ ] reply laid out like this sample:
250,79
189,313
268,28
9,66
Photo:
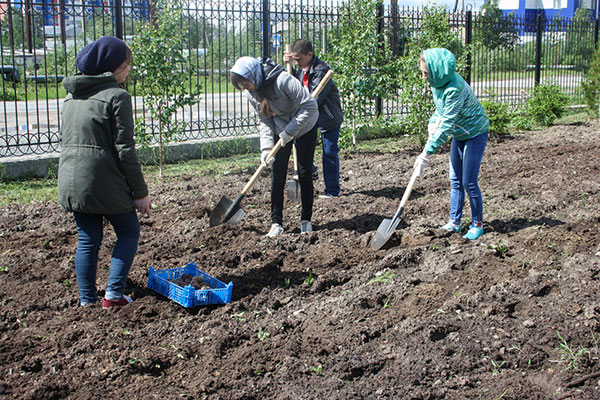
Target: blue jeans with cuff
465,161
331,161
89,230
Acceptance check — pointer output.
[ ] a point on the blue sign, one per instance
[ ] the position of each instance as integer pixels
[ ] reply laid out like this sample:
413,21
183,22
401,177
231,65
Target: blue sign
276,40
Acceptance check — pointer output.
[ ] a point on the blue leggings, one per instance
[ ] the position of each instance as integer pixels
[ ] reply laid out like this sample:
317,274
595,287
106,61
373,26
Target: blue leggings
465,161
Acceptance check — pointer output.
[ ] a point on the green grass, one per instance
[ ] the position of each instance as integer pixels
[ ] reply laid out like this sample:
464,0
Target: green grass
24,191
572,118
27,191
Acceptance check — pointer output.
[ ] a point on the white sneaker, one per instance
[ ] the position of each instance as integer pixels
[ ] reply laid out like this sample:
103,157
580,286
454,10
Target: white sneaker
305,226
276,230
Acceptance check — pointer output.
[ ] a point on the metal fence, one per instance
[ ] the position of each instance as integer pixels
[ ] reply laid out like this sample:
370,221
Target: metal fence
40,38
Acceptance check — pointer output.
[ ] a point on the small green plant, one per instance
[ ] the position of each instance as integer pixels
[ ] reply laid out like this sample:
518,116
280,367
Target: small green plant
136,361
500,248
382,278
66,282
547,104
262,335
3,268
569,355
317,370
286,281
309,279
497,367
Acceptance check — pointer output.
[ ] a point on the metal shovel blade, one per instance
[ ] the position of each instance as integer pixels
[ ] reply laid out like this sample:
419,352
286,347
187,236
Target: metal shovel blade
385,231
237,217
225,210
293,190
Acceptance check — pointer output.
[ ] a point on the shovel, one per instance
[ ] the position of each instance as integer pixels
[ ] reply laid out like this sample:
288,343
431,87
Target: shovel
230,211
293,186
388,226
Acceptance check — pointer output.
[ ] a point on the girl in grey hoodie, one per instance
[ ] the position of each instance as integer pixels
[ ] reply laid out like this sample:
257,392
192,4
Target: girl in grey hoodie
286,110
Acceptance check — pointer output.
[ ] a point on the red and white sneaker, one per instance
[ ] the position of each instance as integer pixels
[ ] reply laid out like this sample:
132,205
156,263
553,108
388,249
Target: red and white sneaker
123,301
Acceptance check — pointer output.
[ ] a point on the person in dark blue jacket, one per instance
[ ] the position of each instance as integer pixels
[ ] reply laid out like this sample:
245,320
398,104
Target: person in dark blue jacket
310,72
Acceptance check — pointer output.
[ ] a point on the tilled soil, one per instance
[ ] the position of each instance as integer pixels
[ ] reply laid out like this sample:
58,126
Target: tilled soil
513,315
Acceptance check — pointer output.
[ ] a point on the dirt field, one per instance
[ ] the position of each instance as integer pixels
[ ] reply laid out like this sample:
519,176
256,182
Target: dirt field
514,315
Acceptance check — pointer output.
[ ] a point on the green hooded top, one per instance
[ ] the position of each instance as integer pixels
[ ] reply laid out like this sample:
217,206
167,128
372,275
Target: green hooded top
458,113
99,171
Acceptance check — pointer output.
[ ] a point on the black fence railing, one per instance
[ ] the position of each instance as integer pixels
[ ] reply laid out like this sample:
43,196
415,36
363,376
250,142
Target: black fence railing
40,38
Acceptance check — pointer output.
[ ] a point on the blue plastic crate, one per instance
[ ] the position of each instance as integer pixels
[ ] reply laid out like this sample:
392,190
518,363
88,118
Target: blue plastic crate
219,293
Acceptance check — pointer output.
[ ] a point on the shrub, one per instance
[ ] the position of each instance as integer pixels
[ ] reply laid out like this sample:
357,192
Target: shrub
547,104
520,121
499,115
591,85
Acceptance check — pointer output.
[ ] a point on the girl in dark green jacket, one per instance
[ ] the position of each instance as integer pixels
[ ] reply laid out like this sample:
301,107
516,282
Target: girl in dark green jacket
99,173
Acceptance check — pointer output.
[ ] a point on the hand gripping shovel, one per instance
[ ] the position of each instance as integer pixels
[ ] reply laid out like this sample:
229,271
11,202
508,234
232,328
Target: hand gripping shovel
293,186
388,226
230,211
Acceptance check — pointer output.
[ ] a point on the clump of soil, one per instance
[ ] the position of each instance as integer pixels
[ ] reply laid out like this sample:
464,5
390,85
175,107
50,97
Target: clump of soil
514,315
186,279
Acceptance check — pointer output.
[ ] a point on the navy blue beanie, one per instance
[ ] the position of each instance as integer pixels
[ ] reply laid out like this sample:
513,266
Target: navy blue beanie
103,55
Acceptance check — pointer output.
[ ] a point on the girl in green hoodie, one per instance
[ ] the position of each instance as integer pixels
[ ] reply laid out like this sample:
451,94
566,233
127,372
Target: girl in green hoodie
458,114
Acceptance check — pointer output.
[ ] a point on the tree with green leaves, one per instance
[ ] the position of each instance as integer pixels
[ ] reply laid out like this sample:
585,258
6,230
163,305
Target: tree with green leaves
591,85
163,71
494,30
415,93
363,61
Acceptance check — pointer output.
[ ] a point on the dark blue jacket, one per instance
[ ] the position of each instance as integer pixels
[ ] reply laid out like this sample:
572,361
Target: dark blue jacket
330,109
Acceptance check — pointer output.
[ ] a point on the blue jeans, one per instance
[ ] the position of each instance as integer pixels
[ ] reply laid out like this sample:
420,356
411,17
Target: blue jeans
331,161
89,230
465,160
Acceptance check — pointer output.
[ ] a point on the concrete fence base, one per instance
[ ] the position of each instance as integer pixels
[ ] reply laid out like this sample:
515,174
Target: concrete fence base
41,166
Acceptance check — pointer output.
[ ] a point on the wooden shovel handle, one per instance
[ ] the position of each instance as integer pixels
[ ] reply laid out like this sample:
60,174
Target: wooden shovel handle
260,169
288,49
409,187
322,84
295,155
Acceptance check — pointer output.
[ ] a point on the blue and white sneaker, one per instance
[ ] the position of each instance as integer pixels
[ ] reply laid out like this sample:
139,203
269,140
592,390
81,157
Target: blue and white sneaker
473,233
451,227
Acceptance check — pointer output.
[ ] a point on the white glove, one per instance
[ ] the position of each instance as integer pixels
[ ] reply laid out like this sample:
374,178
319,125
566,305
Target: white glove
432,127
421,163
285,138
263,158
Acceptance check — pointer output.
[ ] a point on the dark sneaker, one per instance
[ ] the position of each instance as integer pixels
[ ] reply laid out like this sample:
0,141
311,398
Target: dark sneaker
305,226
123,301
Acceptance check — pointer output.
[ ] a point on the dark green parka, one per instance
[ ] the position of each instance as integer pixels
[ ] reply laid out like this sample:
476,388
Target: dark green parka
99,171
